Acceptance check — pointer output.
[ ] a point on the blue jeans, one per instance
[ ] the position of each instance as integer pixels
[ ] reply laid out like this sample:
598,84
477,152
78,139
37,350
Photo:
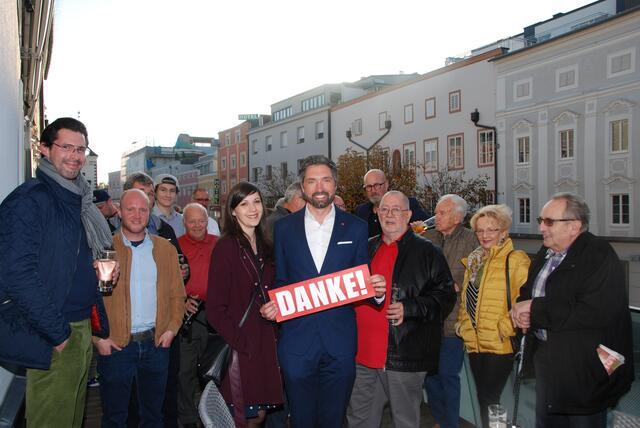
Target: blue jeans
145,363
443,389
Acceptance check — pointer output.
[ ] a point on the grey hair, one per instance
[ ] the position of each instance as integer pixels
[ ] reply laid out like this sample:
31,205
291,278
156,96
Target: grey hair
374,171
576,208
292,191
461,208
405,199
137,177
194,205
317,160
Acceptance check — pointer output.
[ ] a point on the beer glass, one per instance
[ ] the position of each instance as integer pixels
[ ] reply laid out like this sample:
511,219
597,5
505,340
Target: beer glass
106,266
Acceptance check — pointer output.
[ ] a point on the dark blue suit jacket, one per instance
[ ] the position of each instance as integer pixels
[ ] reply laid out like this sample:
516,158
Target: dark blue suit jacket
334,329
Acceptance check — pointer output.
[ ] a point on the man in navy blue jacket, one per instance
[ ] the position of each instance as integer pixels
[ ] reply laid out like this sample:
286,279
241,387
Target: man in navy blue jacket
317,351
50,234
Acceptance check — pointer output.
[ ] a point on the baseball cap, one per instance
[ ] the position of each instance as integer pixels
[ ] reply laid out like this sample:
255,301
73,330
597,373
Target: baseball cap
167,179
100,196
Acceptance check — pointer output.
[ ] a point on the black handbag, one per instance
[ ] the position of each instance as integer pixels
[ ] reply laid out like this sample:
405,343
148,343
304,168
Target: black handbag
215,360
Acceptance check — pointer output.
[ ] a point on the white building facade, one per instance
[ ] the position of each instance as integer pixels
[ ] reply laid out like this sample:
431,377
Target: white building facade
567,111
430,120
301,126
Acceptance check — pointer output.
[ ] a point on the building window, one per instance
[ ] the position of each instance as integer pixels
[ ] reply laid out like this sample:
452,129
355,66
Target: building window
243,159
455,151
430,108
356,127
567,78
566,144
409,154
431,154
621,63
486,148
408,113
267,143
524,210
284,170
313,102
382,118
257,171
300,133
319,130
522,90
232,162
619,135
489,197
237,136
254,146
620,209
455,101
523,150
299,164
269,173
223,163
227,139
284,141
223,186
282,114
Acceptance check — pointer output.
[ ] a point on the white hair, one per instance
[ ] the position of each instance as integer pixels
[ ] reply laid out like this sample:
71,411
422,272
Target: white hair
461,205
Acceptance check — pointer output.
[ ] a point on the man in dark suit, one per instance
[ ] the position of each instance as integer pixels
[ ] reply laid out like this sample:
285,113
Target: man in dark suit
317,351
375,186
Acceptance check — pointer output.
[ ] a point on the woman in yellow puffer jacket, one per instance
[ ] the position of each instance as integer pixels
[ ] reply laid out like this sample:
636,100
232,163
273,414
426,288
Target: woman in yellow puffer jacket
483,321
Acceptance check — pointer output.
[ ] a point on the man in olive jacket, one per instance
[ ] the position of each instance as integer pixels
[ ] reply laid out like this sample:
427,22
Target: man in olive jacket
456,242
398,345
145,313
575,300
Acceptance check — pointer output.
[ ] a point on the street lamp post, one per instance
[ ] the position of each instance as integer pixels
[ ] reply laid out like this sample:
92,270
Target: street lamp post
475,118
387,126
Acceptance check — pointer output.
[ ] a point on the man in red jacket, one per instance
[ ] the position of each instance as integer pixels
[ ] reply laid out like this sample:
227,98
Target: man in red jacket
399,345
197,245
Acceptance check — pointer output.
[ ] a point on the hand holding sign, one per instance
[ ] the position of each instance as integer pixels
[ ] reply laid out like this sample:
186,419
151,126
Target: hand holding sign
323,292
269,311
379,285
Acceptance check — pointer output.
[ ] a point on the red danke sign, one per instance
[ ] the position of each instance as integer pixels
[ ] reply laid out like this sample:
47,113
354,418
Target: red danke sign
321,293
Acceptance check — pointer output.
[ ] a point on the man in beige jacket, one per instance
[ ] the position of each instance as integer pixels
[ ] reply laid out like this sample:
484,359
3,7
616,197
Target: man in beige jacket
145,312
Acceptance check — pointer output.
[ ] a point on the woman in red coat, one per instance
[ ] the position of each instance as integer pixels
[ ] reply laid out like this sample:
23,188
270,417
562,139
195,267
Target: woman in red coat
241,263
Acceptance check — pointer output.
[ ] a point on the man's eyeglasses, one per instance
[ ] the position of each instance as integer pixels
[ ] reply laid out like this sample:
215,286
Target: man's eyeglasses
374,186
550,221
202,200
394,212
70,148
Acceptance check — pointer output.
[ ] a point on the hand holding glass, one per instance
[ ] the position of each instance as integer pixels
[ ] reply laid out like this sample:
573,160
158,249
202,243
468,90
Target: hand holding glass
106,265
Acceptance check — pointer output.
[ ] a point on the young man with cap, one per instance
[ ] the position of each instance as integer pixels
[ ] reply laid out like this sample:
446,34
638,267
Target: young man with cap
167,188
102,201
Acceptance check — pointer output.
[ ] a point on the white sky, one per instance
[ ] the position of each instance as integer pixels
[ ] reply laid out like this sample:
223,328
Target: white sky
148,70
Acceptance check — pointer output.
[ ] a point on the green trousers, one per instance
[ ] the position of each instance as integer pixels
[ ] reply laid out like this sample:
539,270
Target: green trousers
56,397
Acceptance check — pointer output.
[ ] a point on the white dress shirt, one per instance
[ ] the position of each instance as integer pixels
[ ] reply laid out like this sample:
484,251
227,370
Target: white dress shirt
319,235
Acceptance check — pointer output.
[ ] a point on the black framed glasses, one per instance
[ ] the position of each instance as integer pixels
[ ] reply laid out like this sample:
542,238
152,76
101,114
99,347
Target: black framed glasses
70,148
550,221
374,186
